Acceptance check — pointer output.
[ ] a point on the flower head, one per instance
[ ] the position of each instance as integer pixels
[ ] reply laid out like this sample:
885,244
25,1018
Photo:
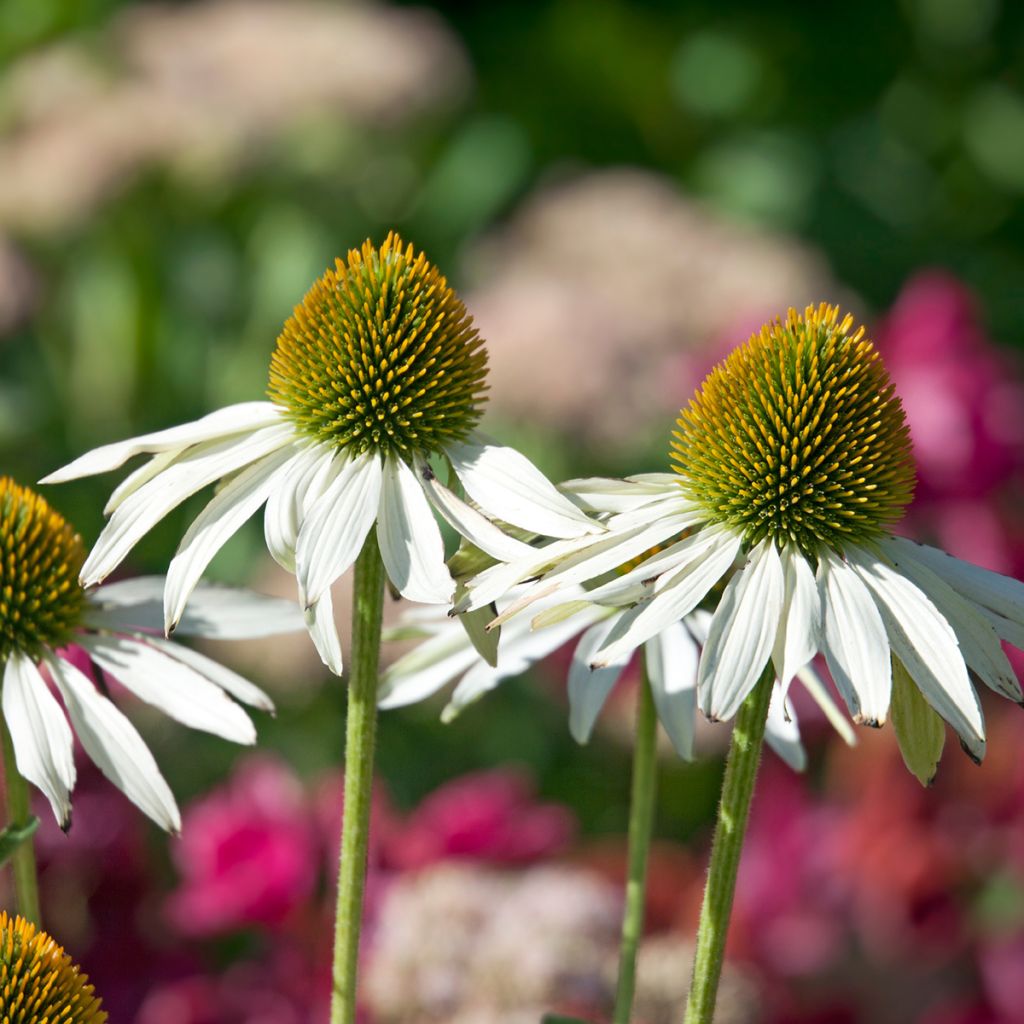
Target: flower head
49,624
798,436
793,460
376,387
381,355
38,980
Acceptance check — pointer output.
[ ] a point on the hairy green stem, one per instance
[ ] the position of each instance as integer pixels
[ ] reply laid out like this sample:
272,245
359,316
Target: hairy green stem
23,860
733,812
641,821
361,727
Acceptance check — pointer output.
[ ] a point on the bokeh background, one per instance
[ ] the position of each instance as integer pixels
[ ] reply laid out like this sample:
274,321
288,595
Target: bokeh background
621,191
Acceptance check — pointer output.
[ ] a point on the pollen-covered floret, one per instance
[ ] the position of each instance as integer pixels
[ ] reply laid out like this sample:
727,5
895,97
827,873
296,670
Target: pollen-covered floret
799,436
41,601
381,355
39,982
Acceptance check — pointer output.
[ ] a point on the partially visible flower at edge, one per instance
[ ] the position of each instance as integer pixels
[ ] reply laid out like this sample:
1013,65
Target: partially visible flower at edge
795,454
377,371
47,619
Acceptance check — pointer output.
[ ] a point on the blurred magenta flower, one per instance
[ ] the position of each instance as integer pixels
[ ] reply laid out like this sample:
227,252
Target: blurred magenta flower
964,400
249,852
488,816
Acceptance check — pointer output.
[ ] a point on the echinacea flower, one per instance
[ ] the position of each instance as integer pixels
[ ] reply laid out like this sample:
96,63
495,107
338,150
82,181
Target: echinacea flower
794,455
377,383
45,615
446,653
39,981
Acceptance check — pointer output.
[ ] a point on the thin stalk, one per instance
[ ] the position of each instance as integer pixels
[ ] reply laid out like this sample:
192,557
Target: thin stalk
23,860
641,821
733,813
361,727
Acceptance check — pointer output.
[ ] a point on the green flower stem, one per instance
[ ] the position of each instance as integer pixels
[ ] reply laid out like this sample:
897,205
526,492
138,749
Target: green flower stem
23,860
361,727
733,812
641,820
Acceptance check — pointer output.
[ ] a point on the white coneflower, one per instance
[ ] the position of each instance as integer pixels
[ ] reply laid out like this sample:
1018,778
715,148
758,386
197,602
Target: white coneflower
43,610
670,658
378,371
794,456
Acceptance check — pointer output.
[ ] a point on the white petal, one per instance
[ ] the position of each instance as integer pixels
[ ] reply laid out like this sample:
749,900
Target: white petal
324,631
306,478
131,483
427,667
213,612
782,731
1002,594
143,509
671,659
333,532
40,734
410,539
799,633
854,641
115,746
170,686
676,594
1011,632
589,687
233,419
926,644
742,633
480,679
818,692
506,484
469,523
229,681
607,494
975,632
226,512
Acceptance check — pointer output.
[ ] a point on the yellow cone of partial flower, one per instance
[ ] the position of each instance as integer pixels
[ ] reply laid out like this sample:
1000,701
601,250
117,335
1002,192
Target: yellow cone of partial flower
39,983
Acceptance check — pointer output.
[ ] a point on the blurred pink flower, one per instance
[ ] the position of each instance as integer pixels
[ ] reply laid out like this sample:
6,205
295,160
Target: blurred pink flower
490,816
248,854
964,400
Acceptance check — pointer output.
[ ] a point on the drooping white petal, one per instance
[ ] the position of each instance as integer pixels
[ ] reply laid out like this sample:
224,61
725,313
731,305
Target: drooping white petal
468,522
671,658
333,532
40,734
220,675
782,731
147,471
608,553
854,641
233,419
799,633
427,667
115,746
742,633
306,478
676,593
410,541
197,468
589,687
218,521
172,687
1003,594
1011,632
607,494
506,484
214,612
323,631
975,632
926,644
